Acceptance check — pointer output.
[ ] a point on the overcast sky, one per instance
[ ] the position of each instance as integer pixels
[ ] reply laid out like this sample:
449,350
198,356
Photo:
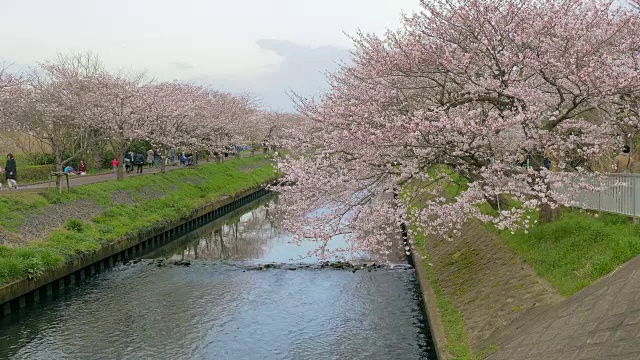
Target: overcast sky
260,46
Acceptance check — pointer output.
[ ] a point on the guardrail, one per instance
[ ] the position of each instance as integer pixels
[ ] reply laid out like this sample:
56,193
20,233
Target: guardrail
620,194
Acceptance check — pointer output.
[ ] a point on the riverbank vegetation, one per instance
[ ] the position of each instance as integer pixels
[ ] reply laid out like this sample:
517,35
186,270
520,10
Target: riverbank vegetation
577,249
571,253
452,318
121,208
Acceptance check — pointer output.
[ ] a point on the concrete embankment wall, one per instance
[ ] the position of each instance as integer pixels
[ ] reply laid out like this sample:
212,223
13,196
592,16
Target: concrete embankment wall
479,276
20,293
430,305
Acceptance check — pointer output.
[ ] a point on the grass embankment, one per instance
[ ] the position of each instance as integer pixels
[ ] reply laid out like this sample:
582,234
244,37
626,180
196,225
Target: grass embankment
452,318
174,195
571,253
577,249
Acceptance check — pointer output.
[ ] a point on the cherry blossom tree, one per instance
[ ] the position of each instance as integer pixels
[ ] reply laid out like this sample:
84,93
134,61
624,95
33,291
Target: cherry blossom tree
72,105
270,128
174,111
51,106
226,121
116,105
461,95
10,85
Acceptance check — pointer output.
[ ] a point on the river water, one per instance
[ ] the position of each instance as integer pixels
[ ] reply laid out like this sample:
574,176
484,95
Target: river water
218,308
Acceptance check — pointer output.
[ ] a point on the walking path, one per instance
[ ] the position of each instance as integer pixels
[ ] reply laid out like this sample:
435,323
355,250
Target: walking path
75,180
602,321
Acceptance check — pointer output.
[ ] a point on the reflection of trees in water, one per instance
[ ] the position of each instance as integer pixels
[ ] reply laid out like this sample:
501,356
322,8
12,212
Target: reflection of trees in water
274,216
244,238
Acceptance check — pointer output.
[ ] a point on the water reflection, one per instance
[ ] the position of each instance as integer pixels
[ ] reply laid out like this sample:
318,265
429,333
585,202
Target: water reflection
249,236
212,310
253,235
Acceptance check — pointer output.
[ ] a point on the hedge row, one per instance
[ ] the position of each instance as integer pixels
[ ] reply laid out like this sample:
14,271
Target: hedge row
34,173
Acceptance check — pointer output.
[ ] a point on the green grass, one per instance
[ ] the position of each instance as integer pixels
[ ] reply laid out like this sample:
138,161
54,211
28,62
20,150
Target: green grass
571,253
453,185
452,318
578,248
13,206
182,191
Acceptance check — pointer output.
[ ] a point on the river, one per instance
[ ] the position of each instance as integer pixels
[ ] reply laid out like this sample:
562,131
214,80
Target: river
221,307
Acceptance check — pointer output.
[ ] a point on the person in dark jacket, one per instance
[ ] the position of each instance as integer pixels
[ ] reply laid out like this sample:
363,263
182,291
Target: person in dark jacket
128,163
82,168
10,172
139,160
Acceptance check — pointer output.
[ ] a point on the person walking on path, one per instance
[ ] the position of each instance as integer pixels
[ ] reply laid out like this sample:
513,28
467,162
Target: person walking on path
150,158
10,172
114,165
157,158
139,163
623,162
128,162
173,157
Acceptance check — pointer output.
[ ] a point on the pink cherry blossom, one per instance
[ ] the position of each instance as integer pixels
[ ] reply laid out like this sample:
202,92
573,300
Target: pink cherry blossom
473,87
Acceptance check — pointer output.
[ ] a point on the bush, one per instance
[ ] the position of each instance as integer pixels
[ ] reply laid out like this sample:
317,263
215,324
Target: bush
105,159
42,159
75,225
140,147
33,267
35,173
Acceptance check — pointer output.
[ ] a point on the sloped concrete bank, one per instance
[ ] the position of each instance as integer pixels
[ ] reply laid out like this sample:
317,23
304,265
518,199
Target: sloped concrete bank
483,301
23,292
601,321
484,281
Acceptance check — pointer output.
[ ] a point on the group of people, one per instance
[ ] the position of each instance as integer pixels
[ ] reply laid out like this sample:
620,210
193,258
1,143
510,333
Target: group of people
10,172
131,159
82,169
153,159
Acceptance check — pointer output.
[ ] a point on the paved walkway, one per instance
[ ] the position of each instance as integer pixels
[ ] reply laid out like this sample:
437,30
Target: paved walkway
75,180
601,321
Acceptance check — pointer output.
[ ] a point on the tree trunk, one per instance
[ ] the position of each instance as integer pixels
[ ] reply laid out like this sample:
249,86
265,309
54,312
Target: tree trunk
548,214
58,171
97,159
498,203
163,157
119,168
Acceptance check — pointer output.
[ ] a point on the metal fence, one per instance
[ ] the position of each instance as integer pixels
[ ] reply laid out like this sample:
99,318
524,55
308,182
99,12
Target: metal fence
621,194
